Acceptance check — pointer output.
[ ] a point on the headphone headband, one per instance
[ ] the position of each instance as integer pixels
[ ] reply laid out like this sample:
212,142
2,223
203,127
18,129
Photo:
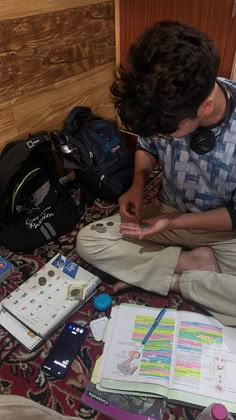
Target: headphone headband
230,96
203,140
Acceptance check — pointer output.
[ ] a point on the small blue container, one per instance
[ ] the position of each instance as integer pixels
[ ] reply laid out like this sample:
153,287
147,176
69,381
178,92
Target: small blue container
102,302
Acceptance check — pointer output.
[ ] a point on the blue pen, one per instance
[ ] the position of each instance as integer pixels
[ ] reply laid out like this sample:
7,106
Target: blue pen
154,325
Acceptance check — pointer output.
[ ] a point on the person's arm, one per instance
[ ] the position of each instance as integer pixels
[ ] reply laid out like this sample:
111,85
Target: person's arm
131,201
222,219
217,220
144,164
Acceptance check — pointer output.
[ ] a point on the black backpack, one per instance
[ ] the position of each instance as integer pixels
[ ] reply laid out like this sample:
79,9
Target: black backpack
34,207
96,149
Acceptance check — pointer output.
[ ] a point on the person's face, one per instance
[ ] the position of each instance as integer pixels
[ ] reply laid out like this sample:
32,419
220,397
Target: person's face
189,125
186,127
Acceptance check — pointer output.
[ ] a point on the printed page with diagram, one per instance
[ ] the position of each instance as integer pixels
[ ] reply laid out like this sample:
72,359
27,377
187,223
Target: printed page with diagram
128,365
204,362
189,357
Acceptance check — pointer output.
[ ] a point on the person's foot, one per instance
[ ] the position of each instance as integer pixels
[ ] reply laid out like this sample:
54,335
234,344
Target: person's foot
120,285
200,259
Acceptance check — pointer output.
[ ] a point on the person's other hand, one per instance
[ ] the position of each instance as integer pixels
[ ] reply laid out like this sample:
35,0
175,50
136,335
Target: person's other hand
147,228
131,204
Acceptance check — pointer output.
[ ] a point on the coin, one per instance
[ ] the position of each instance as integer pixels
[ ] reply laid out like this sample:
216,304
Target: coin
101,229
99,224
110,223
144,225
75,292
93,227
51,273
42,281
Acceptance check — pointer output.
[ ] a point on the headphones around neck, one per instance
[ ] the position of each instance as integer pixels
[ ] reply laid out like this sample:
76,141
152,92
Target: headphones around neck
203,139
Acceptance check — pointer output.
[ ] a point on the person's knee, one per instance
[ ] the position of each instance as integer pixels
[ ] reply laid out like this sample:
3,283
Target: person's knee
92,242
82,242
94,239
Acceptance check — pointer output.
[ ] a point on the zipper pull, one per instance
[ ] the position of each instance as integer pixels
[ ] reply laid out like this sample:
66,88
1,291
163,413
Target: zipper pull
101,180
91,156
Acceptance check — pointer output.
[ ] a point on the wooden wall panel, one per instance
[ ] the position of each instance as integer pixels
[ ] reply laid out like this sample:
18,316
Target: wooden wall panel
211,16
8,128
25,114
50,62
46,48
233,73
11,9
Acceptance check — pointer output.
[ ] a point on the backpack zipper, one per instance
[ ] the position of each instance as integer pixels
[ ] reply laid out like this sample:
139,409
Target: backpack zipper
101,180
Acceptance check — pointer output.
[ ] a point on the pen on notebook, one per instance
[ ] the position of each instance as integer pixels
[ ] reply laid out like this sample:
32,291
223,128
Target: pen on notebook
154,325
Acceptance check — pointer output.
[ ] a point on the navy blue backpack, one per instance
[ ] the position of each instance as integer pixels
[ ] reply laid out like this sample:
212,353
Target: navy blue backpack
96,150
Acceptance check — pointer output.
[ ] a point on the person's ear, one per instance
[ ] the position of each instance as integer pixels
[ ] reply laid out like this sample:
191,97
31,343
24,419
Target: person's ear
206,107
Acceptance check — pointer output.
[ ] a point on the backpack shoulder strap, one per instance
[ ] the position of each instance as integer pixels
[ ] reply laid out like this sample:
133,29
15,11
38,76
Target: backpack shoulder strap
15,154
77,116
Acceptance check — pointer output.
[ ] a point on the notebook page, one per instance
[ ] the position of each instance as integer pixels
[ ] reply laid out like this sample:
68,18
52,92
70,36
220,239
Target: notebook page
204,362
19,331
130,365
41,302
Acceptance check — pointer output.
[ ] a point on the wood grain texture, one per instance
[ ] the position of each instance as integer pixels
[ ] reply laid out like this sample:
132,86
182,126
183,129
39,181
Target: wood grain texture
211,16
54,55
8,129
117,30
46,108
233,73
39,50
11,9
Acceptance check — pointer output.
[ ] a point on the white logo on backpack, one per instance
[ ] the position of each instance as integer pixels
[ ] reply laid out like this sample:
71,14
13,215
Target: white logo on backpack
36,222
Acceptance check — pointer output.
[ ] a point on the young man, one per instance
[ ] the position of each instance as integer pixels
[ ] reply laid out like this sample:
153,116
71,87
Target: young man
185,117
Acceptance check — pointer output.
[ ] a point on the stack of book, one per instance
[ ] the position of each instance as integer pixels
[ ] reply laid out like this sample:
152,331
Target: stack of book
123,406
188,358
43,302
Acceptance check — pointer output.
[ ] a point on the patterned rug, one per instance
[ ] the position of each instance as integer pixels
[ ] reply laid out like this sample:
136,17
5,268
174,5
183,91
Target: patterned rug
20,372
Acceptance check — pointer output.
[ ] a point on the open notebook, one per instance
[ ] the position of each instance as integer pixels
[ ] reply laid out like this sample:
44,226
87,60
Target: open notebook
188,358
43,302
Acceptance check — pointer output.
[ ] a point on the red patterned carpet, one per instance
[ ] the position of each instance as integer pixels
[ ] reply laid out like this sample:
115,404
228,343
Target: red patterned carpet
20,372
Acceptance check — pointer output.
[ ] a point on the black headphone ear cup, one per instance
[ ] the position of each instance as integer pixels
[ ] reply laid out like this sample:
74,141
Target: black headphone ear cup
202,141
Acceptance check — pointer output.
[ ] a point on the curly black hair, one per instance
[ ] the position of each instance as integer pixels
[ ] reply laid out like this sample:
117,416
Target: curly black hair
172,68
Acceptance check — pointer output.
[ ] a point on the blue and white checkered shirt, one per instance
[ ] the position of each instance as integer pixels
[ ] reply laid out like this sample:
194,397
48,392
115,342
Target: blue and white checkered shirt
192,182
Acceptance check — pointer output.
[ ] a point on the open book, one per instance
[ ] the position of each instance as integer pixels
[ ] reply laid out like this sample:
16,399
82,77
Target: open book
188,358
43,302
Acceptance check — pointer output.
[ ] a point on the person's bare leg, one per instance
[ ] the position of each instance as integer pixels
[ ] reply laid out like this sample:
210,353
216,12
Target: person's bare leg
202,259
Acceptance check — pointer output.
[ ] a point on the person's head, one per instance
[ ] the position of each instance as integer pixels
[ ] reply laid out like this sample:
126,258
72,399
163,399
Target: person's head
166,86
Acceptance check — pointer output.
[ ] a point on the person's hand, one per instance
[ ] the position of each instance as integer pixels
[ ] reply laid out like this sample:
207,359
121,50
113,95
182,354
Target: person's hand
147,228
131,203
